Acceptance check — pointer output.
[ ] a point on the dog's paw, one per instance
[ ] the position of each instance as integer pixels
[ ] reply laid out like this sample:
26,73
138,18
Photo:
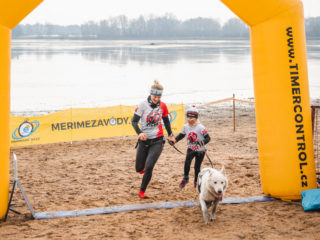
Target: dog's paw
206,218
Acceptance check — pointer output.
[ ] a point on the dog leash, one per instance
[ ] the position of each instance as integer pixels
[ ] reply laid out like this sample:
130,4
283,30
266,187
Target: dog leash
205,151
201,144
209,158
172,144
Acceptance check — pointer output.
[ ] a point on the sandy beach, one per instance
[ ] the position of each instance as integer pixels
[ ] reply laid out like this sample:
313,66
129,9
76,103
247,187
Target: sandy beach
100,173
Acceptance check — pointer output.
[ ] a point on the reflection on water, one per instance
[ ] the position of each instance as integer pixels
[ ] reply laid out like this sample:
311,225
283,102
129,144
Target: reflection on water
57,74
120,53
313,49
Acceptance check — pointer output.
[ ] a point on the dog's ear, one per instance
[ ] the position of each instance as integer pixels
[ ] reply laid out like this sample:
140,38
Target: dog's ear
223,171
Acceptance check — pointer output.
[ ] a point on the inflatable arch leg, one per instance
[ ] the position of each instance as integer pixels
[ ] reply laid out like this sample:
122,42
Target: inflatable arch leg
11,13
283,116
4,119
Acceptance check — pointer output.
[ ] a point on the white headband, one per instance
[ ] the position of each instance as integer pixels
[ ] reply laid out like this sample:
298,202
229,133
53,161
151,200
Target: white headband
156,92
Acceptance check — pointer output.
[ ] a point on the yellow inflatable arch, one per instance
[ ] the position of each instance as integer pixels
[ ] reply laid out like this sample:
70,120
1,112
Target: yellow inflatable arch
283,117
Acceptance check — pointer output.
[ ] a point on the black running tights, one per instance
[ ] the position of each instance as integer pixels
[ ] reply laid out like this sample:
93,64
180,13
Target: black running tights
146,158
199,158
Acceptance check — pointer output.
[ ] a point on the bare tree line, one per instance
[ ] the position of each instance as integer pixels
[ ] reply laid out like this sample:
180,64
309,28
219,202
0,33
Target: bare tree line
163,27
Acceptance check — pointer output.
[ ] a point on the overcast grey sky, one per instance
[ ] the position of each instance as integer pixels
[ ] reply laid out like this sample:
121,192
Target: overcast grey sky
66,12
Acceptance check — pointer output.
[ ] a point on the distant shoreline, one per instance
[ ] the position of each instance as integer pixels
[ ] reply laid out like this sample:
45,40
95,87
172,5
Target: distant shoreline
166,27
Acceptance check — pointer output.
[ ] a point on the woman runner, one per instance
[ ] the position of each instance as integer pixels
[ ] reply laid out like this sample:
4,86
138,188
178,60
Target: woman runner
150,135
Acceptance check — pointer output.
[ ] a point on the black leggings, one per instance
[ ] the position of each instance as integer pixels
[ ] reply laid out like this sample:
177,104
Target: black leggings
148,154
199,158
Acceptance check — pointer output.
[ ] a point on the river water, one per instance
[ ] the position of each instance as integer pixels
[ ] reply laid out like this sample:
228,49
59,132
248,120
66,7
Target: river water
50,75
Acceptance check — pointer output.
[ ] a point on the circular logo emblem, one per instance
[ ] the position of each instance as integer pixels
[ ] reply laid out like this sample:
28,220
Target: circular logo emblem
113,121
172,116
192,137
25,129
153,118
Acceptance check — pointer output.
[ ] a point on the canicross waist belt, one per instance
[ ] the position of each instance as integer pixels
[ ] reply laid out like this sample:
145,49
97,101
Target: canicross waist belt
150,142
